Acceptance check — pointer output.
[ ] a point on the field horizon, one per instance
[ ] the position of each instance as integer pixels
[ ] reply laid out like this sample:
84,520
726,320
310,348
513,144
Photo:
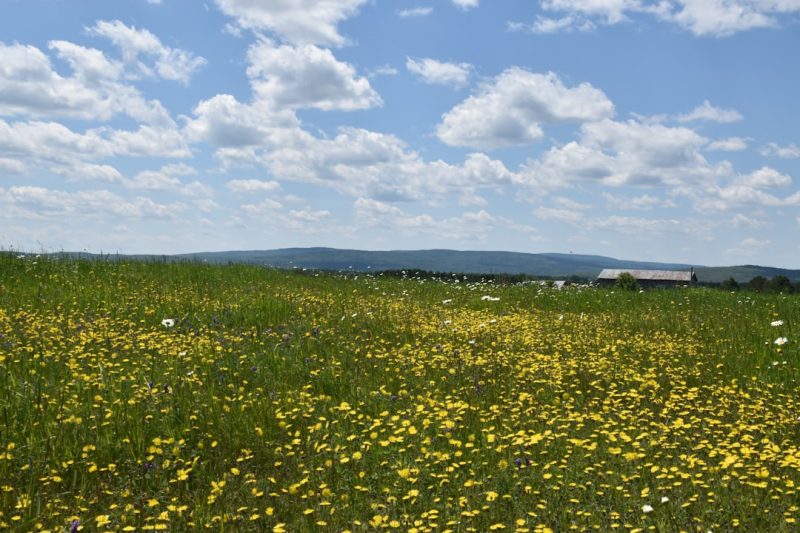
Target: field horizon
546,265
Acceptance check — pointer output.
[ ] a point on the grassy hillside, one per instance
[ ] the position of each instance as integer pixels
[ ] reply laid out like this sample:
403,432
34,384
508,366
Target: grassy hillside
172,396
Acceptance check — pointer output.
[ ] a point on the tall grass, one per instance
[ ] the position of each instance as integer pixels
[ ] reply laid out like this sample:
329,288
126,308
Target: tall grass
294,401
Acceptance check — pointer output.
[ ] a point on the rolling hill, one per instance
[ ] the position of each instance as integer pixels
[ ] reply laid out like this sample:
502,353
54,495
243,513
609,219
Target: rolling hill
540,264
550,265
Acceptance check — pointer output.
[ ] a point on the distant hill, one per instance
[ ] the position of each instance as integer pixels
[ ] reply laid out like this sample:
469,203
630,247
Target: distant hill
542,264
549,265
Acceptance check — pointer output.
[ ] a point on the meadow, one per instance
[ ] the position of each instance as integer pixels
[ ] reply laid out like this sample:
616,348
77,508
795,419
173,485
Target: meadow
141,396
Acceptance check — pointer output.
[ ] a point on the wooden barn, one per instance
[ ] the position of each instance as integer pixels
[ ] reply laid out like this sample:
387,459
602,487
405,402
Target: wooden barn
649,278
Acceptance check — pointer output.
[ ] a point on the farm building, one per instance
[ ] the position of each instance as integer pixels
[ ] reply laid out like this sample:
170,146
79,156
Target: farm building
649,278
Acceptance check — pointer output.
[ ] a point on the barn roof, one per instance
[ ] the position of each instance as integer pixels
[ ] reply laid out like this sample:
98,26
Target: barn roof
656,275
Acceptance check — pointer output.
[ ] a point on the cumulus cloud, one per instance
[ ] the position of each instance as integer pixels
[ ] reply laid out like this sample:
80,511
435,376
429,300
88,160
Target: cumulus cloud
790,151
30,86
11,166
168,178
168,63
558,214
40,202
636,203
52,145
439,73
706,111
544,25
763,178
730,144
270,213
717,18
622,153
468,226
647,227
307,77
294,21
252,186
509,111
225,122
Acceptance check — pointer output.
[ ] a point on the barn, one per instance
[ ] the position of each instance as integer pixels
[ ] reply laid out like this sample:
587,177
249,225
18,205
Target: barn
649,278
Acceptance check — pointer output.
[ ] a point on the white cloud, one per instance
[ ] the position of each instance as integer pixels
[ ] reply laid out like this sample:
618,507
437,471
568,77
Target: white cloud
296,21
718,18
509,111
763,178
51,141
225,122
610,11
149,141
439,73
643,227
47,144
90,65
622,153
743,221
30,86
559,214
415,12
265,206
11,166
40,202
731,144
544,25
790,151
721,18
568,203
735,195
82,171
636,203
306,76
252,186
706,111
270,214
469,226
466,4
384,70
170,63
375,165
748,247
167,178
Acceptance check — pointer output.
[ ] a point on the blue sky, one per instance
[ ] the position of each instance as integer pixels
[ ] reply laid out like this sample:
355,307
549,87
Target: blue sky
662,131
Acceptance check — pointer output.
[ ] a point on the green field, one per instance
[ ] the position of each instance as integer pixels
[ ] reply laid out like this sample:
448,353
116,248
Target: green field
142,396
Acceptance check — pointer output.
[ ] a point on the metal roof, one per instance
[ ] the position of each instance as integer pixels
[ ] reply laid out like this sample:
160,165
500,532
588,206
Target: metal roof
658,275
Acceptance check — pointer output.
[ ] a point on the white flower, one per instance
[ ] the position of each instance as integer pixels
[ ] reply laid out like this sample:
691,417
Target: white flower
780,341
488,298
168,322
647,508
776,323
447,301
664,499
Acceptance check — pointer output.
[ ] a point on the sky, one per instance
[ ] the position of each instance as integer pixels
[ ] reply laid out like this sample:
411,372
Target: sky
650,130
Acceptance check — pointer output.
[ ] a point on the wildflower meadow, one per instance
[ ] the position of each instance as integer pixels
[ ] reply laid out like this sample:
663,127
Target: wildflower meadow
140,396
